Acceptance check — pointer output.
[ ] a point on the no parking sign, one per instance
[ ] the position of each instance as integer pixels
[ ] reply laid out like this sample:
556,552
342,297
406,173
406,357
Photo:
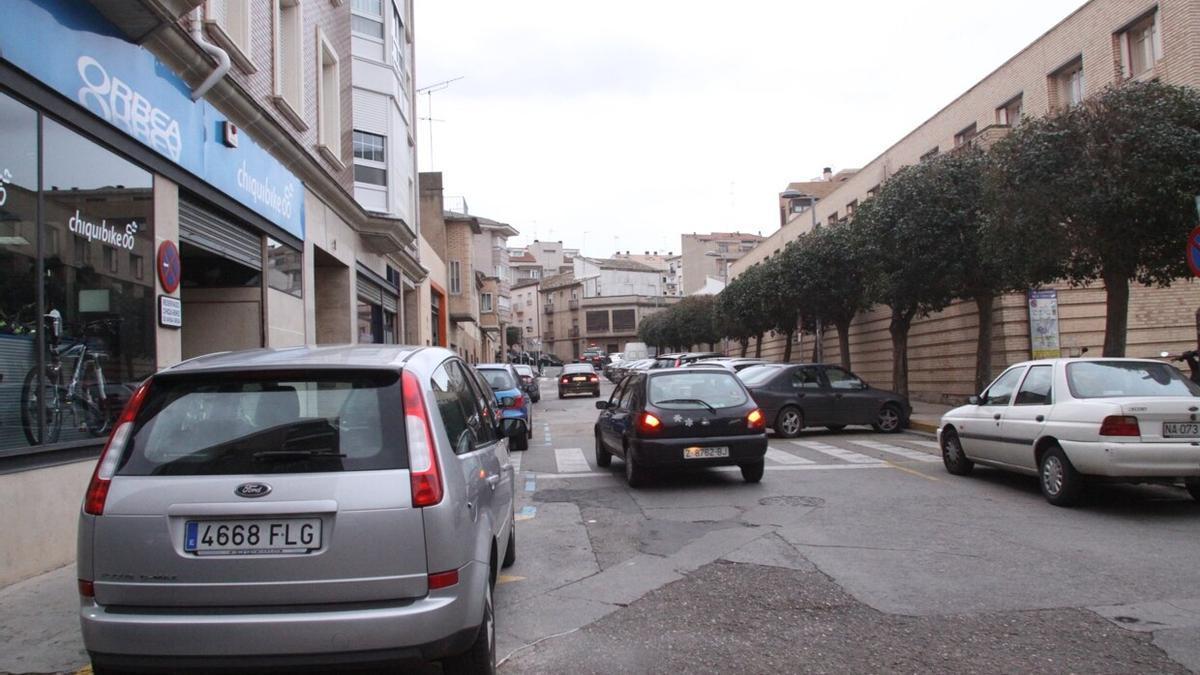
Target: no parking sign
168,266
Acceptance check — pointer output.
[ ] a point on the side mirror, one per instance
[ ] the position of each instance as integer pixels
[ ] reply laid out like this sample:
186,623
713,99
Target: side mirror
974,400
601,405
507,402
513,427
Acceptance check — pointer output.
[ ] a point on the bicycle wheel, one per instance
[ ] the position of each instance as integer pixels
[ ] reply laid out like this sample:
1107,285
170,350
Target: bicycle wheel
96,414
44,396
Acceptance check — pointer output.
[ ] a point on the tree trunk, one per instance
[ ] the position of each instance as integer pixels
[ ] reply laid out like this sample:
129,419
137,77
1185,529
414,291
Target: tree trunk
787,346
983,345
843,331
816,348
1116,318
899,326
745,343
758,346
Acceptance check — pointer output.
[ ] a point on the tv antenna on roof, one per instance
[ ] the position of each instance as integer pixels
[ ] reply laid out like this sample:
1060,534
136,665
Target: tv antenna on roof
429,91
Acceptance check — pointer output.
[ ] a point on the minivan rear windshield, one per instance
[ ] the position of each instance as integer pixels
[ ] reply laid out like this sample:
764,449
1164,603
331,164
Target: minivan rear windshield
263,423
1107,379
694,389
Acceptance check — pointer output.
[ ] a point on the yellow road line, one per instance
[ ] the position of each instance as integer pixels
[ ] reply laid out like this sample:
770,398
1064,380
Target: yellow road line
913,472
508,579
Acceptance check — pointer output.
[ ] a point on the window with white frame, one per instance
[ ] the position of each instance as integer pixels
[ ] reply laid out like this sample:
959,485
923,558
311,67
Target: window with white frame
233,18
369,158
455,278
1009,114
289,54
1140,46
1066,85
485,302
366,18
329,101
398,39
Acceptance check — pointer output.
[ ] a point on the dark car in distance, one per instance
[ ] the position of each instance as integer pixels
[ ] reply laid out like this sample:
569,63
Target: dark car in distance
676,419
578,378
795,396
529,382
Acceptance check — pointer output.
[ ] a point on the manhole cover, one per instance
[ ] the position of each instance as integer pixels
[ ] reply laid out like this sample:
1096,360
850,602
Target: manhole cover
791,500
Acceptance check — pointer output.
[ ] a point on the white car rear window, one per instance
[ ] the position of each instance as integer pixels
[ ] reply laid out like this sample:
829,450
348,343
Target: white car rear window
1108,379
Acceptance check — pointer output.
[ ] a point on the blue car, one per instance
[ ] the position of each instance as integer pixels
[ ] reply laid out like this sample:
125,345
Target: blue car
506,384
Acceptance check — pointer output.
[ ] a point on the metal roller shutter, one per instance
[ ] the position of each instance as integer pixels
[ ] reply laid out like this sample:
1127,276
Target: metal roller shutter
217,234
389,302
369,291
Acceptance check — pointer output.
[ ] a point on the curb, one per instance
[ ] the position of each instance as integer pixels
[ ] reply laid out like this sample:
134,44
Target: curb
927,427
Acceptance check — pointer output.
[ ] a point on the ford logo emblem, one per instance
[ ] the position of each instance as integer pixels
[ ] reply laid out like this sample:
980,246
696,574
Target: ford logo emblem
253,490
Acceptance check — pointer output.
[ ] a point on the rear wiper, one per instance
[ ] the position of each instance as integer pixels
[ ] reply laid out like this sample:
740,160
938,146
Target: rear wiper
297,452
689,400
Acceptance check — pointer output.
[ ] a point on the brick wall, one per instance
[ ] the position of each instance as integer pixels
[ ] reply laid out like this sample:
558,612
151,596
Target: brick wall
942,346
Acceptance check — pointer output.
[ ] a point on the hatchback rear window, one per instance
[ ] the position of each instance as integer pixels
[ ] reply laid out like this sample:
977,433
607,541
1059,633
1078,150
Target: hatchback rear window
1106,379
268,424
497,379
694,389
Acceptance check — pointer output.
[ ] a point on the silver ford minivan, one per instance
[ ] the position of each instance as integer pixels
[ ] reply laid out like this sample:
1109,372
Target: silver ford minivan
306,507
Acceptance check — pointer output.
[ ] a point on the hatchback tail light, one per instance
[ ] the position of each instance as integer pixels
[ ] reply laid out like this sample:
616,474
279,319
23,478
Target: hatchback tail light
593,378
518,402
565,380
1120,425
110,458
648,423
756,420
422,454
87,588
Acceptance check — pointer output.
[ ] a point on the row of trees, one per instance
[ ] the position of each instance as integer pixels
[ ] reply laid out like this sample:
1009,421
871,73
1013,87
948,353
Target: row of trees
1103,191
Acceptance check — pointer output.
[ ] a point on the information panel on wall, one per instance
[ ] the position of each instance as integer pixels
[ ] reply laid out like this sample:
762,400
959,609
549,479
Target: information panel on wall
1043,324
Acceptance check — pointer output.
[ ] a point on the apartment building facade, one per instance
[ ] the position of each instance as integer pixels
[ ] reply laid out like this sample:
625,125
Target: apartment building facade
176,178
1104,42
711,255
527,312
491,259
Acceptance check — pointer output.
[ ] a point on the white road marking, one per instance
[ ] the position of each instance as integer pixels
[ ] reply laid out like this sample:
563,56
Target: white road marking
515,460
838,453
924,444
781,457
571,460
915,455
729,469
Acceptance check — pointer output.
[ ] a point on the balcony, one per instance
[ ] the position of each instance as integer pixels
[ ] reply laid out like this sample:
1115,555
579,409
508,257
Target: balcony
548,308
548,337
573,332
572,304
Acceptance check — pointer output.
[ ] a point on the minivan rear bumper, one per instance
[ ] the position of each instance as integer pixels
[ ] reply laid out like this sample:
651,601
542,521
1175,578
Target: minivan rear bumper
440,624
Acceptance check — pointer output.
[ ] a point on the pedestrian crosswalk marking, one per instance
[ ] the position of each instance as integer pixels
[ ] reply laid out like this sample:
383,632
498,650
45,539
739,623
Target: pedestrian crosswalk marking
836,452
570,460
925,444
915,455
781,457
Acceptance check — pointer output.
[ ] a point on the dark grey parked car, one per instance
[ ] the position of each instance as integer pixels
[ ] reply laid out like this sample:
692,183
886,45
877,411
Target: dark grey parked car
300,507
796,396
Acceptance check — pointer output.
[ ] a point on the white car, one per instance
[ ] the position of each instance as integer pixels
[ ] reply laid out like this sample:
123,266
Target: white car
1068,421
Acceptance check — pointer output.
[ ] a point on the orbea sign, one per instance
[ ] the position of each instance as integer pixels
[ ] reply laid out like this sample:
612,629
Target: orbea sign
71,48
104,232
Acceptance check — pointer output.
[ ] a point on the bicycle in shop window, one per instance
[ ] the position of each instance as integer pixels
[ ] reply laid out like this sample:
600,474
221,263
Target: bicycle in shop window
81,391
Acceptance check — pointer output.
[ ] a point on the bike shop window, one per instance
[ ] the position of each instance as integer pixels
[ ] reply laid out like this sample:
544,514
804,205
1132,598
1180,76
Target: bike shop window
71,358
18,263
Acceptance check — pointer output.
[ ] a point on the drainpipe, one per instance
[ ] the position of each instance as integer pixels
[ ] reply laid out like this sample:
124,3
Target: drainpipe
212,50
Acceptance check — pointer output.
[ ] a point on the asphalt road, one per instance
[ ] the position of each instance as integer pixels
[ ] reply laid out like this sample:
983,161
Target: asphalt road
856,553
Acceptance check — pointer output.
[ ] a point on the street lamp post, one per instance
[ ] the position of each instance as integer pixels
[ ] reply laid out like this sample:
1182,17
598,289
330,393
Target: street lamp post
811,200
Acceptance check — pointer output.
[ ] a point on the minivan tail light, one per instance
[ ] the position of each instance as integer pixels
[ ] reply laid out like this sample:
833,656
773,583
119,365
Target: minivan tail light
87,588
1120,425
110,458
648,423
756,419
422,455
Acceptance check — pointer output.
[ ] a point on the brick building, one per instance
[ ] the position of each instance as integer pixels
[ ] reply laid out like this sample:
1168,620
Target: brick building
710,255
1103,42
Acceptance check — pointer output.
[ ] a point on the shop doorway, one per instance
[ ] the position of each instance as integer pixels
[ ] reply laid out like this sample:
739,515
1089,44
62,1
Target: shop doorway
331,291
222,303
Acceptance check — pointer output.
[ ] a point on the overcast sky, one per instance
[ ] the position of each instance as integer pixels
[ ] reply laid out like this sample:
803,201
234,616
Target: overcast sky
621,125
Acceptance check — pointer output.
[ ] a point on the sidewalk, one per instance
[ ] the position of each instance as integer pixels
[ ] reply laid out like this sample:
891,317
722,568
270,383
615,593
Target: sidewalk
39,625
925,416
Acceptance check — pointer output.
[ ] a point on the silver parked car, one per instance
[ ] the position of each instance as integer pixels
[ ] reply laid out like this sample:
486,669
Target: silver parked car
300,507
